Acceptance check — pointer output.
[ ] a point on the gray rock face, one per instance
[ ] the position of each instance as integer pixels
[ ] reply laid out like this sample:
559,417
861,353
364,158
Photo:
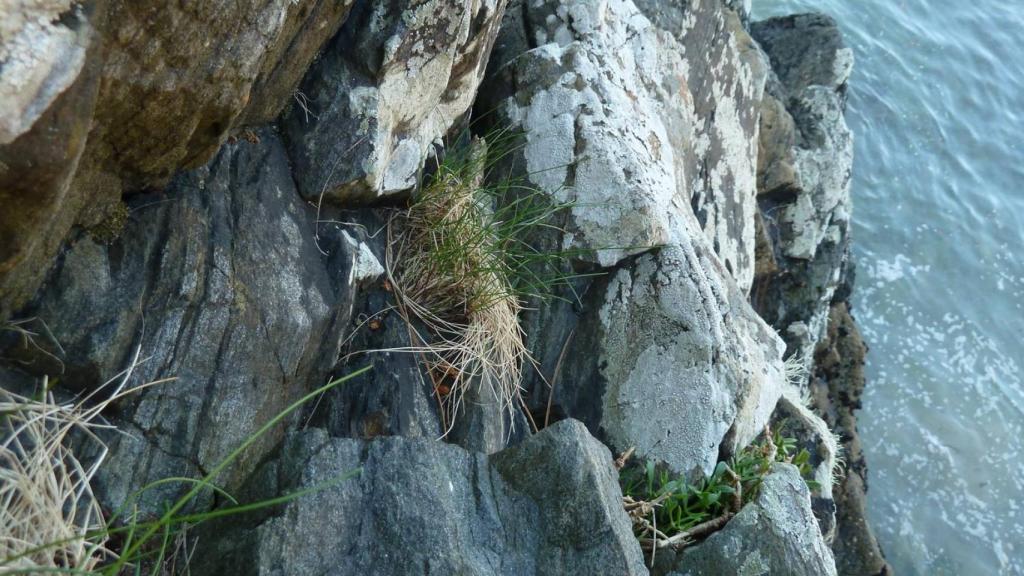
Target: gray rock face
687,368
668,356
775,534
154,86
624,118
806,153
220,285
697,173
394,81
549,506
725,73
395,398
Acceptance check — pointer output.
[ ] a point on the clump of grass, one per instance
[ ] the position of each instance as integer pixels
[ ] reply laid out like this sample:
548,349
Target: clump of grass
50,520
461,267
44,489
668,511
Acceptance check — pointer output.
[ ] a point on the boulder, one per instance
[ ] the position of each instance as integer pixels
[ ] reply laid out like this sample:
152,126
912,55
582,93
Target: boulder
667,356
396,79
99,98
774,534
624,118
804,167
548,506
217,283
680,366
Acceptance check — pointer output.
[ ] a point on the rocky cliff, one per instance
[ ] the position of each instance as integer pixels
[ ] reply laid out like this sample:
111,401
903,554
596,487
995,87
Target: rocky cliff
203,191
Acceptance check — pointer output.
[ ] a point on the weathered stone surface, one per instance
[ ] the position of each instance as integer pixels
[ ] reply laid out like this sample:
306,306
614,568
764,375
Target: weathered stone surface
220,285
395,80
156,87
806,50
628,120
804,166
667,357
549,506
775,534
41,58
725,73
684,367
177,78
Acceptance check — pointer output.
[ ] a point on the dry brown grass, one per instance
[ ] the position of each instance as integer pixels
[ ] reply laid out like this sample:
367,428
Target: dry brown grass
50,519
447,264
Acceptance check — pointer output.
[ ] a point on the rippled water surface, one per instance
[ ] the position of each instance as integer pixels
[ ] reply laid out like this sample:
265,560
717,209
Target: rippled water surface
937,106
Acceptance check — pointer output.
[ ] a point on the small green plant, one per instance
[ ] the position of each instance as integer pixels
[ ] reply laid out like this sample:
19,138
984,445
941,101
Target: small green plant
462,265
666,510
50,521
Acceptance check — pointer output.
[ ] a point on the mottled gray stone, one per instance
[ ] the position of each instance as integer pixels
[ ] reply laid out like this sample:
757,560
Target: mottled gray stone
687,371
219,284
549,506
628,120
396,79
775,534
667,356
725,73
804,167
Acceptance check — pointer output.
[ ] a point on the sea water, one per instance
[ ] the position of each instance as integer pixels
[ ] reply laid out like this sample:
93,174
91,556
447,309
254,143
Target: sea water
936,103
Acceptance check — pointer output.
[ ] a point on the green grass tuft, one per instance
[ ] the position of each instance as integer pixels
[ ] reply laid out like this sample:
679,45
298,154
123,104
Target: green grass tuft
666,510
50,521
463,264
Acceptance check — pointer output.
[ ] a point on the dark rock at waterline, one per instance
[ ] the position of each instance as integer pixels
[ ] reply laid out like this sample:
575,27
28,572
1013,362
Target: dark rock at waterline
548,506
804,165
836,393
804,271
218,281
805,50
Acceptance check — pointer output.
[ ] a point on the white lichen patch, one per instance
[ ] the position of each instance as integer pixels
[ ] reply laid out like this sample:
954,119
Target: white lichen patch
365,266
39,59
